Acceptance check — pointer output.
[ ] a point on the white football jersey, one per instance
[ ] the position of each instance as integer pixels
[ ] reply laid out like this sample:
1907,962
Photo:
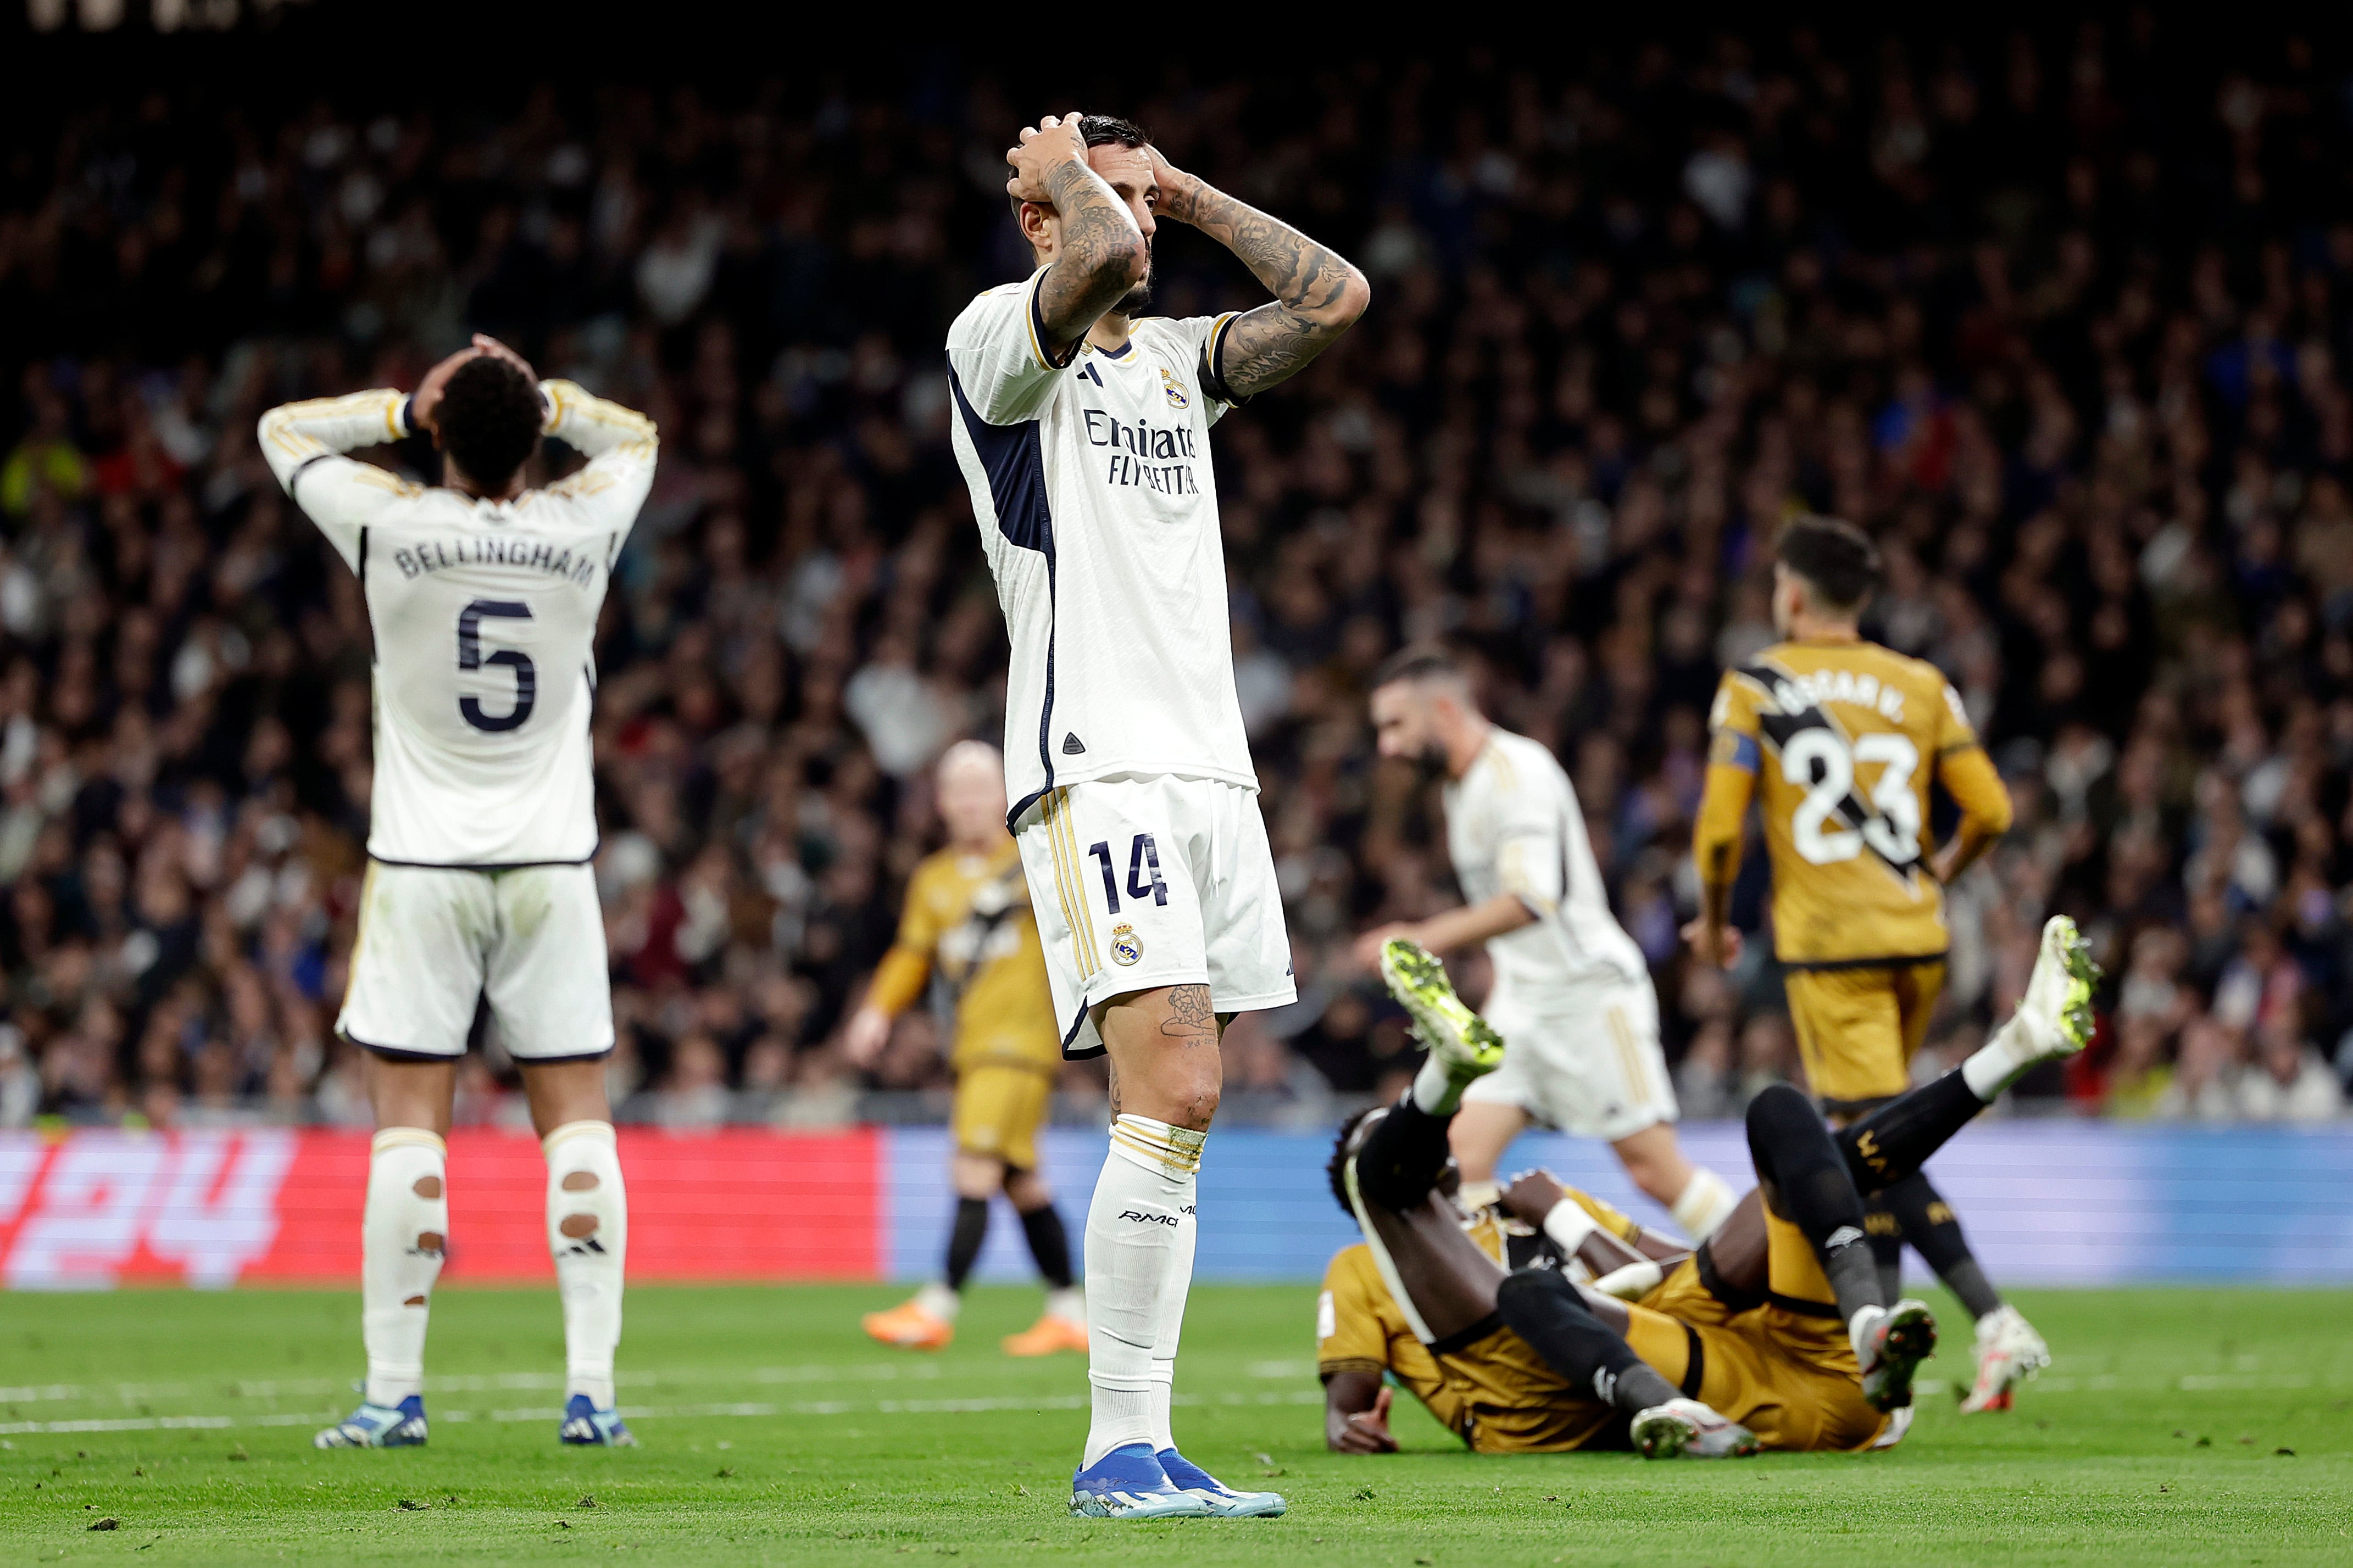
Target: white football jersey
485,619
1091,484
1513,826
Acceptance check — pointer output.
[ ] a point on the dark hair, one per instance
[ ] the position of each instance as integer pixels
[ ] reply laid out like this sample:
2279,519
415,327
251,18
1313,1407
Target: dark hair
1105,130
1838,560
489,420
1419,661
1337,1168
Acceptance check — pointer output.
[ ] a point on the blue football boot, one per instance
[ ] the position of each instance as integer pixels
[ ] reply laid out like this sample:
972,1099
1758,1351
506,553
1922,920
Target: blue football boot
1128,1483
398,1426
1221,1499
587,1426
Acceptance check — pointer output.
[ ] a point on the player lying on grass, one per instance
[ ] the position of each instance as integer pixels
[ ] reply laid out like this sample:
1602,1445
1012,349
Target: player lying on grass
1775,1334
483,596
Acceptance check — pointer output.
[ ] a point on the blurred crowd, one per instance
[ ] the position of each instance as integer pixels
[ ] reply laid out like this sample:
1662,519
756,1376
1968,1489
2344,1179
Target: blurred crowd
2063,320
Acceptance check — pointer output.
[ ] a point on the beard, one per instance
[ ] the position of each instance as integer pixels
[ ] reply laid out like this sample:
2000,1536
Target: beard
1136,300
1429,765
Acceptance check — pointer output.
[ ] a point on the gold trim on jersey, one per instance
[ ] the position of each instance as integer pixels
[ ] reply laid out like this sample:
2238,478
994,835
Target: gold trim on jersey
1067,889
1629,1051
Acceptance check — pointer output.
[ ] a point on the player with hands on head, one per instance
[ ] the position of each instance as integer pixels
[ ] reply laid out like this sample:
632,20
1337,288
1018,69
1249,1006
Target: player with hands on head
1572,991
483,595
1082,425
967,931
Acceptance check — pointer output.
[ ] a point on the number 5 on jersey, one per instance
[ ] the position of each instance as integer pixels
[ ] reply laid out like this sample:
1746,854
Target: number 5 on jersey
470,657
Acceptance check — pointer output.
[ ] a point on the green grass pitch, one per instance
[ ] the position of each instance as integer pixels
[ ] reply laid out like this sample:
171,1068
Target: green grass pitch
775,1433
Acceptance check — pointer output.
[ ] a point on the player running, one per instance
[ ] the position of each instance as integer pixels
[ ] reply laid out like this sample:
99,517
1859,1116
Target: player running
1082,427
1572,992
483,596
1840,740
967,929
1772,1334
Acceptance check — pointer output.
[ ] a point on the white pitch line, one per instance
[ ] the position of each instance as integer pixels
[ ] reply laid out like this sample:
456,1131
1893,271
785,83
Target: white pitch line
754,1410
523,1382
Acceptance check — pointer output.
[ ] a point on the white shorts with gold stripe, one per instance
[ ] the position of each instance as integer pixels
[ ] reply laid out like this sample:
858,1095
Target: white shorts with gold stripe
1140,882
1584,1058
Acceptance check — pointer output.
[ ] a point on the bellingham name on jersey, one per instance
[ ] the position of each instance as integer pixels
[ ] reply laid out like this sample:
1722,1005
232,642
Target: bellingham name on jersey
485,620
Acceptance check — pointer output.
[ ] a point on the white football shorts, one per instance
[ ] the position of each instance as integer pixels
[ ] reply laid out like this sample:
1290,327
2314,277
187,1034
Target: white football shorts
1584,1058
434,942
1140,882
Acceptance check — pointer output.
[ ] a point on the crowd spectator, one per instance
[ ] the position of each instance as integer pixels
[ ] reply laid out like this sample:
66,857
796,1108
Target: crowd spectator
2064,321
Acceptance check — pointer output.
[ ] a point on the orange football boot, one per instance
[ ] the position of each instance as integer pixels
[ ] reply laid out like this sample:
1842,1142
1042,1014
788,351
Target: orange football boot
1045,1336
910,1327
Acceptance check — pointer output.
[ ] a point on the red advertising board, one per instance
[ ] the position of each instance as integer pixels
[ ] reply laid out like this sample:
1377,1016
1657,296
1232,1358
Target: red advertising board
214,1208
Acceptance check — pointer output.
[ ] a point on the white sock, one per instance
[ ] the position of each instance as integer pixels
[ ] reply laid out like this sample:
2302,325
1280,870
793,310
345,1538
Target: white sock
2008,1052
404,1233
1172,1329
1137,1254
1706,1202
1434,1089
1069,1303
940,1302
588,1232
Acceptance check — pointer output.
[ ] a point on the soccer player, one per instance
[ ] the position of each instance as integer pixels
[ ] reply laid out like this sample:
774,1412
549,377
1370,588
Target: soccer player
1773,1334
1840,740
1082,428
483,596
967,929
1572,993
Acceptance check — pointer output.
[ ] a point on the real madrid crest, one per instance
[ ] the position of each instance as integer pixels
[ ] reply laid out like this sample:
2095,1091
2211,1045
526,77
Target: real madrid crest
1177,399
1126,947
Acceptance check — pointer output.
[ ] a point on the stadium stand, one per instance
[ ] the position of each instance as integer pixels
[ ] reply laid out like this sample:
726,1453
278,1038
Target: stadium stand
2063,321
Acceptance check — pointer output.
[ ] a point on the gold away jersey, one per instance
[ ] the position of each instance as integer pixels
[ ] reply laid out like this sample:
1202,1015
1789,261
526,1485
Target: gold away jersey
968,926
1840,741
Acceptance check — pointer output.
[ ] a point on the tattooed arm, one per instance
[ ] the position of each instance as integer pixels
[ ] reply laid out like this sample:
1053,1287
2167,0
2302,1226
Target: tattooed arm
1101,253
1317,294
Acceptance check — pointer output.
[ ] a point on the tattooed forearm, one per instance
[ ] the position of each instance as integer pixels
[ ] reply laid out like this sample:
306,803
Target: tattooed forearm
1317,294
1190,1018
1103,254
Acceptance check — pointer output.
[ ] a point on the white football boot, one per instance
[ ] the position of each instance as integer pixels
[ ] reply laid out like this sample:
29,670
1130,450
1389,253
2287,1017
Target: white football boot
2008,1352
1686,1429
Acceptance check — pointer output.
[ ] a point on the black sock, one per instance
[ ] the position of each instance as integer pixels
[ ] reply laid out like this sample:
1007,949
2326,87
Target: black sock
1049,1244
1929,1226
964,1241
1402,1156
1887,1246
1805,1182
1544,1309
1895,1140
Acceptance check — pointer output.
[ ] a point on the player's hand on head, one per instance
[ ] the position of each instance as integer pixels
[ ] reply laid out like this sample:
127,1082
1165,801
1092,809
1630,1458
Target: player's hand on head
425,402
1532,1195
487,344
1053,139
1176,187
